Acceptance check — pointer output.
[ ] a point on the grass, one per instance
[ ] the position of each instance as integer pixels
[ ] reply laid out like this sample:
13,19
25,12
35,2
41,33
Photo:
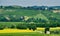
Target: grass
27,34
12,22
20,12
21,34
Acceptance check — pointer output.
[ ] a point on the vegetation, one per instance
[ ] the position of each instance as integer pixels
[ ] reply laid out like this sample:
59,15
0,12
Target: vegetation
28,17
21,26
27,34
2,27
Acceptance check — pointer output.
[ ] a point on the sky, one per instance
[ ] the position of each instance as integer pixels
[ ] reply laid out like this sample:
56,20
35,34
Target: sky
30,2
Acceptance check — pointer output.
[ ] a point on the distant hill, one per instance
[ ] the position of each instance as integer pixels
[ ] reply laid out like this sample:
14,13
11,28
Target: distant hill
46,15
32,7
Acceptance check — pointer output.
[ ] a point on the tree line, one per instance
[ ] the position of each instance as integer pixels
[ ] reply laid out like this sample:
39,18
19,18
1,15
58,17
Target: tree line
32,7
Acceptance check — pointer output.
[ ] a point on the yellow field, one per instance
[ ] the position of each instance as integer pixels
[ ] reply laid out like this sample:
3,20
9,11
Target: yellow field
14,31
57,28
18,30
40,29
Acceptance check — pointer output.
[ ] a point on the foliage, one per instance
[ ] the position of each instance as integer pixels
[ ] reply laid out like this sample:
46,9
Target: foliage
2,27
21,26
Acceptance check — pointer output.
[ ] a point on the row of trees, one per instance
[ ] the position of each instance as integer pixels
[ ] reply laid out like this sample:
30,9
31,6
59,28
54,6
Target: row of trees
19,26
32,7
31,26
22,19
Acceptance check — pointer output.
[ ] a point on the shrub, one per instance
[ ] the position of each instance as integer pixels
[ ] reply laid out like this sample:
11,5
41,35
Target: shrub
13,26
32,26
21,26
2,27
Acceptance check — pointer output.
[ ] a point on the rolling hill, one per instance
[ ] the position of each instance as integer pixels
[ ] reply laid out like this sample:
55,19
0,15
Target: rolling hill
30,13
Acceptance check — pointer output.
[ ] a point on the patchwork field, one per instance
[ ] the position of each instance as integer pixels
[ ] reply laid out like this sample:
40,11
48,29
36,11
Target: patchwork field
17,13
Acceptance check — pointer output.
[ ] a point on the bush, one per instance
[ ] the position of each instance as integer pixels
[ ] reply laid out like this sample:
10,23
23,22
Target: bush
32,26
13,26
21,26
2,27
55,32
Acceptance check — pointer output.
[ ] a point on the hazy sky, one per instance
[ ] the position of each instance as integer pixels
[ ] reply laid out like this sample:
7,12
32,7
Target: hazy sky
30,2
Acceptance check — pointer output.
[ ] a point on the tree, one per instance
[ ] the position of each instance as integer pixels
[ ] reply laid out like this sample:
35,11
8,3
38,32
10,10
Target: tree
47,29
13,26
32,26
21,26
1,6
2,27
3,19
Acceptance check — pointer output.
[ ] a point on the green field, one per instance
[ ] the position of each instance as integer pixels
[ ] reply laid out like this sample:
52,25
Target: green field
27,34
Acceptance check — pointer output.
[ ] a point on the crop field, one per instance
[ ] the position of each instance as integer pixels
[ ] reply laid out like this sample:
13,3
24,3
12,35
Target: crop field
15,31
8,30
27,34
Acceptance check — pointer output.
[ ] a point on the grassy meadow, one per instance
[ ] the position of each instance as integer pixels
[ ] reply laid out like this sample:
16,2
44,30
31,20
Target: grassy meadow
27,34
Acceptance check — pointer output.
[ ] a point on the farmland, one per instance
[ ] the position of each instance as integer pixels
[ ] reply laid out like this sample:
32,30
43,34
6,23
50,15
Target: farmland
25,22
18,32
27,34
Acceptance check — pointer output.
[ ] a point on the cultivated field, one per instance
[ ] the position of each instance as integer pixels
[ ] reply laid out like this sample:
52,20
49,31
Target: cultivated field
27,34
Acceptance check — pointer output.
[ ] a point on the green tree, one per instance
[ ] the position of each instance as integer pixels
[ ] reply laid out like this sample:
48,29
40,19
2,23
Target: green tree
32,27
21,26
2,27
